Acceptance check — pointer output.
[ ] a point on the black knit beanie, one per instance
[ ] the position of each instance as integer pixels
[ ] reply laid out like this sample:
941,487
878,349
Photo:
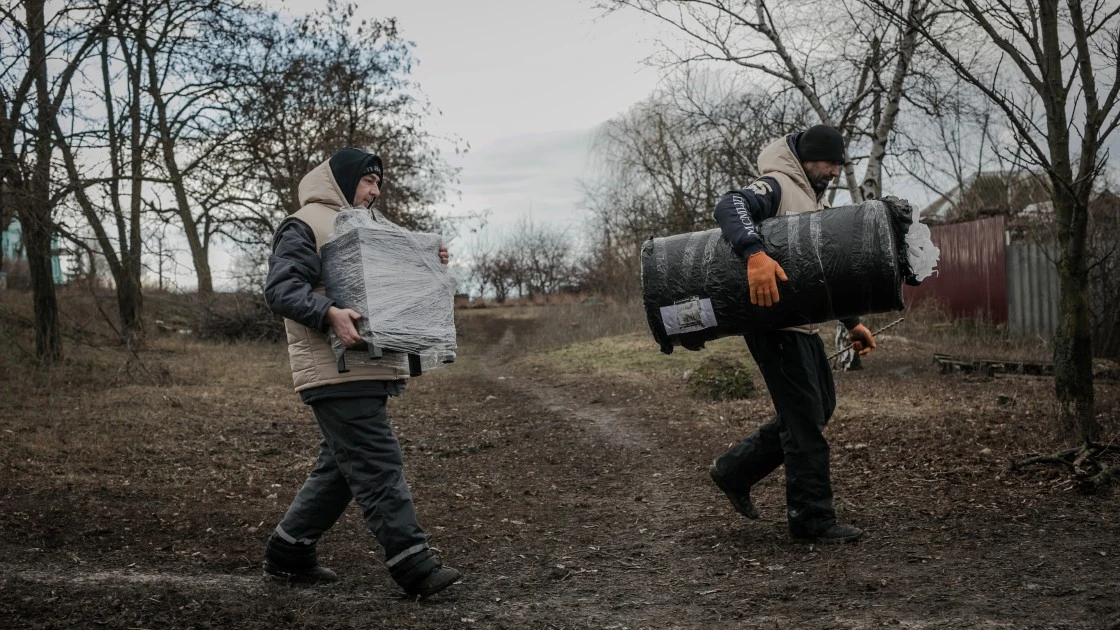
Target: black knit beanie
821,143
349,166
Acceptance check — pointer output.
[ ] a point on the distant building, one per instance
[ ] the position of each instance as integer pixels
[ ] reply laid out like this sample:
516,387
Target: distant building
14,260
988,194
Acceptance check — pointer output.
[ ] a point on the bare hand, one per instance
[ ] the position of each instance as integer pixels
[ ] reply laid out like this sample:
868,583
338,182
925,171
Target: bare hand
863,342
342,322
443,255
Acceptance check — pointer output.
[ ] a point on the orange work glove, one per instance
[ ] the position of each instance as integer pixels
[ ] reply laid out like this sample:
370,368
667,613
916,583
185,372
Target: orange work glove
862,340
762,274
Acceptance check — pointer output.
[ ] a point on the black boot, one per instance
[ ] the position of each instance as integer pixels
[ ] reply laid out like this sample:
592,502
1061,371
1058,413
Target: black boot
294,563
422,574
837,534
740,499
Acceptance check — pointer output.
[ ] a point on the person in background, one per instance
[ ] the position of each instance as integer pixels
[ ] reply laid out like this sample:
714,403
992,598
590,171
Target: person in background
796,171
359,457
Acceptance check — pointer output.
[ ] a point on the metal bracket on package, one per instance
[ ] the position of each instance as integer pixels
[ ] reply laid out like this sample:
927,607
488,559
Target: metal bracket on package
414,366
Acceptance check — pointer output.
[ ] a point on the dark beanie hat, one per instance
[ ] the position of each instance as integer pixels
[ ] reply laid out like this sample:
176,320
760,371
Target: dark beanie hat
821,143
349,166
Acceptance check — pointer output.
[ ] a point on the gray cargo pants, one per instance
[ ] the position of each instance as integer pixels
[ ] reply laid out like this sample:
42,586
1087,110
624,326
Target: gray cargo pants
360,459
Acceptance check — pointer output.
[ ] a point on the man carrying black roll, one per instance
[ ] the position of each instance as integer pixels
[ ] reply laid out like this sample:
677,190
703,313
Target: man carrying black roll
796,171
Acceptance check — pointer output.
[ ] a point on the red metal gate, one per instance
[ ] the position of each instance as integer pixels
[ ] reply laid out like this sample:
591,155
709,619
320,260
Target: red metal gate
971,280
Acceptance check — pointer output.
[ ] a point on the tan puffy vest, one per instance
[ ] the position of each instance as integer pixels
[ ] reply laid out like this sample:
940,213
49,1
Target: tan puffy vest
778,160
313,361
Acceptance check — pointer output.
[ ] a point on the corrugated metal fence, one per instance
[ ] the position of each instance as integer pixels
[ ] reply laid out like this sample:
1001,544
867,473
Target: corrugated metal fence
1032,290
980,276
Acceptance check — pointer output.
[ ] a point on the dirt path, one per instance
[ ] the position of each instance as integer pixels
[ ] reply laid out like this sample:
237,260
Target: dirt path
567,502
650,543
627,565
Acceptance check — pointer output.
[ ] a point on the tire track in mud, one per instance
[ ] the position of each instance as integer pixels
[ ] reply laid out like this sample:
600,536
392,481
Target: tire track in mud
645,517
614,427
126,577
214,586
610,425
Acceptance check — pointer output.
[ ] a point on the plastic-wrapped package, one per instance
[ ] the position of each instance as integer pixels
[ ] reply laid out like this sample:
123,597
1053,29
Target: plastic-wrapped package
394,278
841,262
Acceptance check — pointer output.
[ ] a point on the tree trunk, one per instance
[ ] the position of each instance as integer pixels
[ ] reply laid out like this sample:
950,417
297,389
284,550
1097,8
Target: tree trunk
130,298
201,258
872,185
35,212
196,241
5,211
130,306
1073,351
36,224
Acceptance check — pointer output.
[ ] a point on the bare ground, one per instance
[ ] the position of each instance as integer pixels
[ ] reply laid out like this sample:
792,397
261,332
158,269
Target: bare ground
567,481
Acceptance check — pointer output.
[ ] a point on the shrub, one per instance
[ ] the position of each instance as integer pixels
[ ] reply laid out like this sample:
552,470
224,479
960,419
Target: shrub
721,378
238,317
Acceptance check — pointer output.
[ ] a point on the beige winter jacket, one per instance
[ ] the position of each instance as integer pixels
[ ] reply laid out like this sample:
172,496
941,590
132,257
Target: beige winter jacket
779,161
313,361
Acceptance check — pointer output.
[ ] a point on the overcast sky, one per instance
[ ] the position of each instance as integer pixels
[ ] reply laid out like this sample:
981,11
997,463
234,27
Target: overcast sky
525,83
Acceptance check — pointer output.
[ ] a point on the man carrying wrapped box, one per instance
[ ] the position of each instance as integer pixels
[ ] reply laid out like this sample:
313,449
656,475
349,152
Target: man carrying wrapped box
359,457
796,171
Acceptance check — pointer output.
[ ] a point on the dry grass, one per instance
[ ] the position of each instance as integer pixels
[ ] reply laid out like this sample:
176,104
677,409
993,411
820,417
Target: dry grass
159,398
563,324
616,339
150,393
535,300
936,331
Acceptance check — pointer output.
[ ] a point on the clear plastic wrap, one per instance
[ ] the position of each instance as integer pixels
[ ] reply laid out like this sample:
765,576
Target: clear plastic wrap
841,262
394,278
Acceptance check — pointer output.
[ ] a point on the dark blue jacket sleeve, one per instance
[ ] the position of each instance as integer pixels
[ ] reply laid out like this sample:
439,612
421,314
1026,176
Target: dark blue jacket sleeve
293,271
740,212
850,322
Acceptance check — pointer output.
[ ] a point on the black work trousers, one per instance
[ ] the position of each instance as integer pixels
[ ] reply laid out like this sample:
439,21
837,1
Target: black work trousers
799,378
359,459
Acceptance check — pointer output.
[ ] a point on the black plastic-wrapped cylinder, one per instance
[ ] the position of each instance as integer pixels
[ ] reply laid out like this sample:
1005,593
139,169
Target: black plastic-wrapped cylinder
841,262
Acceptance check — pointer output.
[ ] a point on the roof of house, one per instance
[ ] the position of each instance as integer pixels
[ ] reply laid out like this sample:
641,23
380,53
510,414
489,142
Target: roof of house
988,193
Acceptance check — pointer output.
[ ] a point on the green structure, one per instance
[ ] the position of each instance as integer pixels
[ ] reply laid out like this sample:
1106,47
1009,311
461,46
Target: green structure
11,244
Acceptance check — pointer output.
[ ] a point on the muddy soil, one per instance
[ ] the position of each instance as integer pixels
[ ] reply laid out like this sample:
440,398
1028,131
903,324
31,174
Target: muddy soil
569,499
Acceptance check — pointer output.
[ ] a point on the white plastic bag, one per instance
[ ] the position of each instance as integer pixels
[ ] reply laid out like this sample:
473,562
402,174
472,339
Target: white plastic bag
921,253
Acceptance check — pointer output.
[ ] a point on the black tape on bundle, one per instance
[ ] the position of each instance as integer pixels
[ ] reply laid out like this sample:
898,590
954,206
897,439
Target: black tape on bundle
841,262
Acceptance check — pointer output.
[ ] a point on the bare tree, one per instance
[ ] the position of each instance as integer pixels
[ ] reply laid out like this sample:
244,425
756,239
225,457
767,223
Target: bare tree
665,163
188,46
36,80
1051,69
545,255
851,64
529,260
323,82
109,117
